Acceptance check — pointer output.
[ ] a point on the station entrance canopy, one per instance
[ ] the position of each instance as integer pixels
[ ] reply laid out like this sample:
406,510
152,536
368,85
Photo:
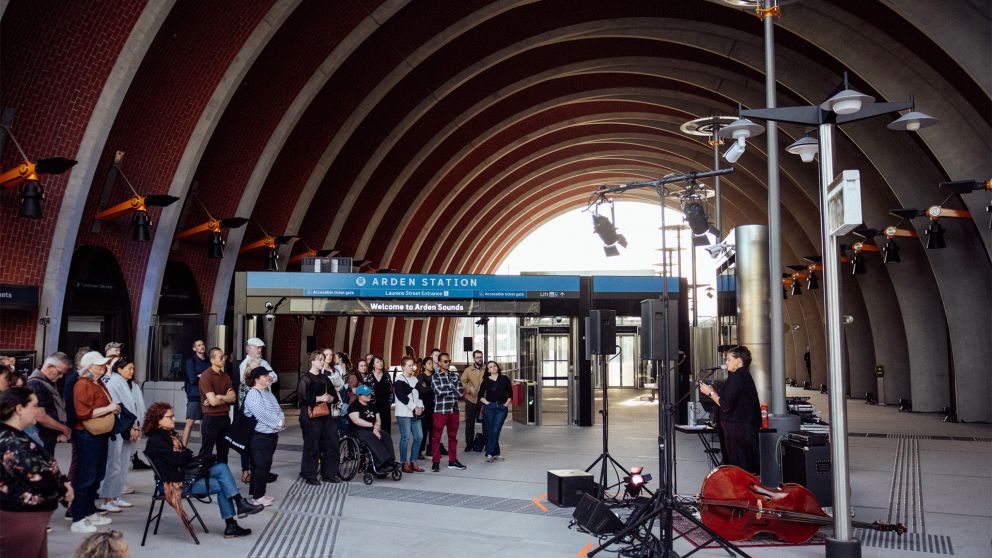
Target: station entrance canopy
404,294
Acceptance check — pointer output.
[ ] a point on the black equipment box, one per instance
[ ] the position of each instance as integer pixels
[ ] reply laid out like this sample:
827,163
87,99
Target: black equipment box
566,486
809,466
805,438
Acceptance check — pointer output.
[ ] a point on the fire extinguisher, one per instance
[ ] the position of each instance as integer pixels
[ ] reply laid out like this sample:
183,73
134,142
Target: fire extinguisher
764,416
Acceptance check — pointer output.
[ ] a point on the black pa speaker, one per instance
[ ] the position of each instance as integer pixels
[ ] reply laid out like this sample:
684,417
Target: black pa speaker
467,344
654,316
311,343
566,486
596,517
601,333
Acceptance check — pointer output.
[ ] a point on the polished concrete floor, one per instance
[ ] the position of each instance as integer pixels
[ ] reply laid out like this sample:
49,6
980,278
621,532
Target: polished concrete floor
934,477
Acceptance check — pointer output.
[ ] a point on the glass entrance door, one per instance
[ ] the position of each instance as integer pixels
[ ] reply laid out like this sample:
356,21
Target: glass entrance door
623,368
554,360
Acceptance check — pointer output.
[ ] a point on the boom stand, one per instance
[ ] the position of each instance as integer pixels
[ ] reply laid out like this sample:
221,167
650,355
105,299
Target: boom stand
663,505
605,459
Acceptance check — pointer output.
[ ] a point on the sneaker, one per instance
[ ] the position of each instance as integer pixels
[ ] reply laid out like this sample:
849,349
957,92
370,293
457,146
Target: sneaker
443,450
109,507
97,519
120,503
82,526
127,490
436,467
489,459
456,465
265,500
499,458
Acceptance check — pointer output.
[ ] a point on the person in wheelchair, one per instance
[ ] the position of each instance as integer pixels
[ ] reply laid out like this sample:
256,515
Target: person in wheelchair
167,453
365,425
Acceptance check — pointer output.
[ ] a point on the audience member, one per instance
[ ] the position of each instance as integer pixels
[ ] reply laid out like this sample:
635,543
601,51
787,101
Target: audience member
448,390
366,425
261,404
471,381
169,456
494,393
31,484
409,407
216,396
120,445
196,365
94,409
318,399
43,382
110,544
382,391
426,392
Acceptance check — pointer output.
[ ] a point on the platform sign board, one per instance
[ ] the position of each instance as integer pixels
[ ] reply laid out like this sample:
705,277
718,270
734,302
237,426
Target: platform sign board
411,307
844,203
618,286
413,286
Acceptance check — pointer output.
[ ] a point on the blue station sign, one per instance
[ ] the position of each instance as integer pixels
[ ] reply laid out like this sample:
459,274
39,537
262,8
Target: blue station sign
413,286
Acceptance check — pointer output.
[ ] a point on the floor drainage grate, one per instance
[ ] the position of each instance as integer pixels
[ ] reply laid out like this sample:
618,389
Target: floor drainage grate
913,542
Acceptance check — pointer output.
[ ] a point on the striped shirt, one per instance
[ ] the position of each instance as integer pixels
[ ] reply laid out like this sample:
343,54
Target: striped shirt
263,406
448,390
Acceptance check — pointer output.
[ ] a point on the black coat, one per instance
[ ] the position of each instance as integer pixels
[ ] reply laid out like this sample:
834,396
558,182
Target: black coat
163,454
739,399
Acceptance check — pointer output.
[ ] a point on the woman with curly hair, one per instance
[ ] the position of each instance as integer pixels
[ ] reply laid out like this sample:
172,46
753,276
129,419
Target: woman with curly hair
104,545
166,450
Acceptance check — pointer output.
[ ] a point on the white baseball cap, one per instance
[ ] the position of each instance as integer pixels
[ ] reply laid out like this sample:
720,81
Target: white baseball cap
255,342
91,358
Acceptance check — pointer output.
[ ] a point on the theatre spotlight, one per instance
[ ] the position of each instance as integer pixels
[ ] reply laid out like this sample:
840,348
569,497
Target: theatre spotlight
935,236
271,260
607,232
634,483
859,267
141,227
25,177
797,288
695,216
814,281
890,252
215,246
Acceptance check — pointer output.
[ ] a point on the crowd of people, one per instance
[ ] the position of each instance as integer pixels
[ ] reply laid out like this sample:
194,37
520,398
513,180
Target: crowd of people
100,410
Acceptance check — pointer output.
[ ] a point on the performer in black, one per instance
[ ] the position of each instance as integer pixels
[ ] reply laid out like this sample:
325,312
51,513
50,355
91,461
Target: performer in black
740,412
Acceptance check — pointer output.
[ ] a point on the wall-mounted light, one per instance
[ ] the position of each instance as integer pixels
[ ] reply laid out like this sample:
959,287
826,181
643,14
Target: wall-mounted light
271,243
137,204
26,176
311,253
215,246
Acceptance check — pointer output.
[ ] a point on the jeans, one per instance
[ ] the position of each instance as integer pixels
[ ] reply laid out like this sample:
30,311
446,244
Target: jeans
221,482
263,447
212,431
408,425
320,441
442,421
118,460
493,416
91,465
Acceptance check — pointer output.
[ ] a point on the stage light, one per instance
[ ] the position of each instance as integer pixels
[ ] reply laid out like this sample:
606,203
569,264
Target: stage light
31,196
806,147
890,252
859,267
607,232
814,281
797,288
634,483
271,260
695,216
935,236
141,227
215,246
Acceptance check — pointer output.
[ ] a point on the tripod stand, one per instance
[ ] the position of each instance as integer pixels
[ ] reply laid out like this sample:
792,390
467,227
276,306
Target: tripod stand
664,505
605,459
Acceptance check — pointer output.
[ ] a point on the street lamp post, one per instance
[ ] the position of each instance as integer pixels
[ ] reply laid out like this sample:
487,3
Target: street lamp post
844,106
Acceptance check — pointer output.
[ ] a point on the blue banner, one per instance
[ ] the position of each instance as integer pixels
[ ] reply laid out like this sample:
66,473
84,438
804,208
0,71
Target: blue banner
632,284
398,285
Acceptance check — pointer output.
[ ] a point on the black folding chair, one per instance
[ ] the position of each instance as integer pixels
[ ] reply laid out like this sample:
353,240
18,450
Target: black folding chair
158,495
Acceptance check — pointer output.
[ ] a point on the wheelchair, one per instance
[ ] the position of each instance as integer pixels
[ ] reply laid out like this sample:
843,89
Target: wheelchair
356,457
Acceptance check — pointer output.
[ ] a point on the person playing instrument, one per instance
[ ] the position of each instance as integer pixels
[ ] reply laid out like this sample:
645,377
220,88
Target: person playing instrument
740,412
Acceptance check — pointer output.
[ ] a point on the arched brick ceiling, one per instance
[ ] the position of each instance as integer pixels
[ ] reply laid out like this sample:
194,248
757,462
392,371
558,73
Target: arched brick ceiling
386,129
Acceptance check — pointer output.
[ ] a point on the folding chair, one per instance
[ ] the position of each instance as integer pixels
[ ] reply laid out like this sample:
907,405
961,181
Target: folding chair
158,495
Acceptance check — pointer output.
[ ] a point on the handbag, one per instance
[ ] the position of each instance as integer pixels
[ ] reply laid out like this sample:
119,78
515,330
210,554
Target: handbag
100,425
198,467
319,410
241,430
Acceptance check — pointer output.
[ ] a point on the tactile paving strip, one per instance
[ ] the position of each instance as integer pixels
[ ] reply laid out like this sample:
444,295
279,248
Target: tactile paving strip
305,523
914,542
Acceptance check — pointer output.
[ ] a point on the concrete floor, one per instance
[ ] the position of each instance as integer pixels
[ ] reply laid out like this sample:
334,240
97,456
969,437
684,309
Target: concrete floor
940,488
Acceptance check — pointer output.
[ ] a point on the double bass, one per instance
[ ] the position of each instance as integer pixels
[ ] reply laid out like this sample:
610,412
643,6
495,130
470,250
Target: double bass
735,505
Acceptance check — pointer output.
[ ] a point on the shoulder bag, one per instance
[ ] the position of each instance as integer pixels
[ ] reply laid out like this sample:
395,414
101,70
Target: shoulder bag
100,425
321,409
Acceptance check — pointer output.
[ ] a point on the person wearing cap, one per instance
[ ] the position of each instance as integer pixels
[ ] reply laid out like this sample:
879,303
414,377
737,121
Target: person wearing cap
261,404
216,396
91,400
253,350
366,425
112,351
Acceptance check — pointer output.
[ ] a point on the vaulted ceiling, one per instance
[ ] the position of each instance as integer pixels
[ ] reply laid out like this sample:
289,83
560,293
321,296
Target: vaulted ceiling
431,136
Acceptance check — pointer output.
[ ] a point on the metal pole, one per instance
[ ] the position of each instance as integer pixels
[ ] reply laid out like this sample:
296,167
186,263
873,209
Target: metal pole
716,189
838,409
777,360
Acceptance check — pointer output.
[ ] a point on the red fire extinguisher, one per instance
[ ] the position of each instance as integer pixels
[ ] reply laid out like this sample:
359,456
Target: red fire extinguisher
764,415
